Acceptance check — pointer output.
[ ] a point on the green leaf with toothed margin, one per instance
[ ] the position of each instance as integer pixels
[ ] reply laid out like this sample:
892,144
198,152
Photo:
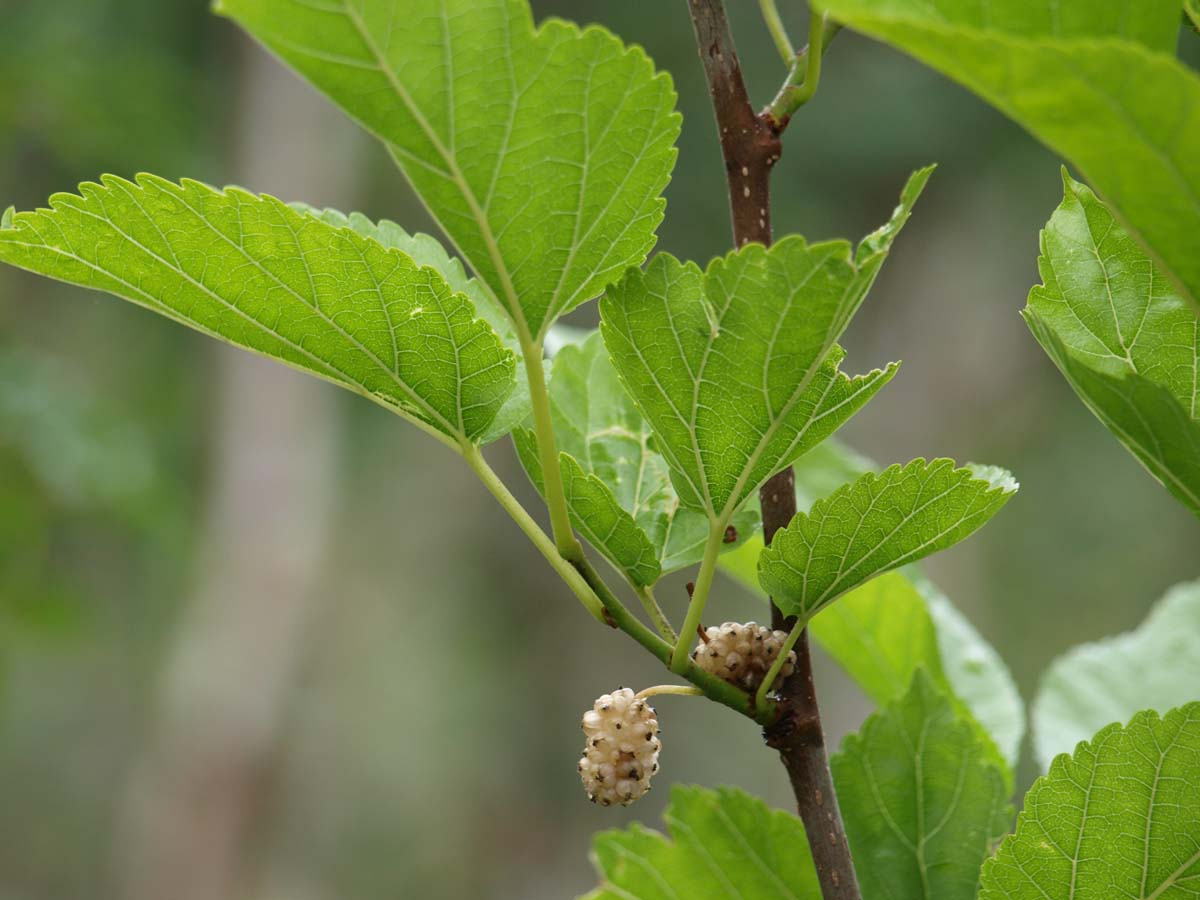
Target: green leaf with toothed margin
1095,80
428,251
542,152
922,800
618,487
884,630
1155,666
1123,336
721,843
253,271
876,523
1120,817
736,368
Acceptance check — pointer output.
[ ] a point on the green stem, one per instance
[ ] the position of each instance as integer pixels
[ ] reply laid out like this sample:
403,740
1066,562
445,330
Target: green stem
772,673
586,583
654,611
695,613
575,581
805,75
714,688
778,33
681,690
556,498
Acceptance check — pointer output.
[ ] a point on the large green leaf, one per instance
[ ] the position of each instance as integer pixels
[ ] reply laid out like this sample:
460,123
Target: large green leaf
263,276
882,632
618,487
1156,666
735,368
723,843
542,152
876,523
1124,338
1119,818
1094,79
922,801
428,251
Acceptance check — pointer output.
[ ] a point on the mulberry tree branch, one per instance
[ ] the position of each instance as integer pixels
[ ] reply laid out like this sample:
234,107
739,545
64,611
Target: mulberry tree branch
750,145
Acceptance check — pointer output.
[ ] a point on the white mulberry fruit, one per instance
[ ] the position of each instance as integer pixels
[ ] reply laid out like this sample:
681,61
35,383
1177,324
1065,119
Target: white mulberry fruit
621,754
742,654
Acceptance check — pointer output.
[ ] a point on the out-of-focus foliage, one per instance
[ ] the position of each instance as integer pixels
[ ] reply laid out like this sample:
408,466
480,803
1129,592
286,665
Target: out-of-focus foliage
1155,666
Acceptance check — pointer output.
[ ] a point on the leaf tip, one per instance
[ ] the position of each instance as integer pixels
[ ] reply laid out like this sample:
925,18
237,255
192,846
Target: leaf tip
999,479
6,220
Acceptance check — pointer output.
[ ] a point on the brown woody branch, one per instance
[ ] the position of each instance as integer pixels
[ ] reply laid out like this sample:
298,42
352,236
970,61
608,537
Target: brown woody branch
750,145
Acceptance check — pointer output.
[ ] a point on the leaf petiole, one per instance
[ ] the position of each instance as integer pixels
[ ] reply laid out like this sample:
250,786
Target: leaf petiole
556,499
805,73
695,613
681,690
779,35
772,673
569,573
654,611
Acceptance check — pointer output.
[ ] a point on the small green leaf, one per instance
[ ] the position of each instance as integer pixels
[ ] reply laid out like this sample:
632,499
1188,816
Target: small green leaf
922,801
878,522
542,152
735,368
1119,818
261,275
722,843
618,487
1095,80
426,250
1123,337
882,632
1155,666
597,514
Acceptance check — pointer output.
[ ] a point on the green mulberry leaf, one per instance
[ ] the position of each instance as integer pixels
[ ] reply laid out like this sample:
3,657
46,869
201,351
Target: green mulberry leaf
1154,666
1095,80
426,250
722,843
256,273
542,152
618,487
876,523
883,631
1123,336
735,368
1118,818
922,800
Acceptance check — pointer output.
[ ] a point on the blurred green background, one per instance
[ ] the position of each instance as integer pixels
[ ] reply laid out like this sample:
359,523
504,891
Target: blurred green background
261,640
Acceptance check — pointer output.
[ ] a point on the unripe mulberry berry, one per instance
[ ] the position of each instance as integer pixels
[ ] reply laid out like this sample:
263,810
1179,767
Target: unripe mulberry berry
621,754
742,654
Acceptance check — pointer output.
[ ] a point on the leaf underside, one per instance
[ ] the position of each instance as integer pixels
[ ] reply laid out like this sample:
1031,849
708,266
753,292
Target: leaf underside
1095,80
876,523
542,152
618,487
922,801
1119,331
1119,818
735,368
426,250
1155,666
257,273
